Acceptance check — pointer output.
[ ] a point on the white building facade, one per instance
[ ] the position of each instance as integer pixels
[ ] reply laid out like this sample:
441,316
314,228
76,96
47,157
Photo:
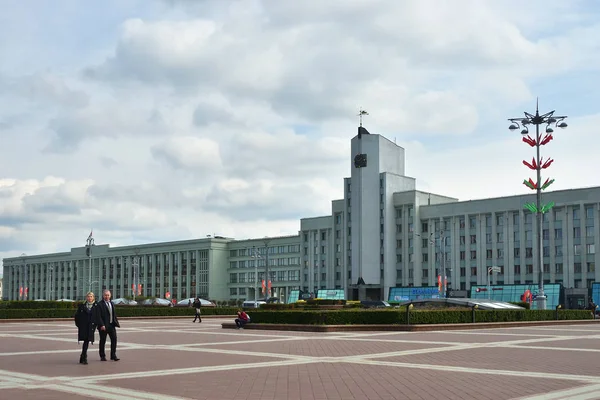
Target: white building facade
384,233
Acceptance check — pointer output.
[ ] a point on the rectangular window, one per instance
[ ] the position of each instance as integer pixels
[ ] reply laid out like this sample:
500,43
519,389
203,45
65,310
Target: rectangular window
590,249
589,212
558,268
528,252
529,269
591,267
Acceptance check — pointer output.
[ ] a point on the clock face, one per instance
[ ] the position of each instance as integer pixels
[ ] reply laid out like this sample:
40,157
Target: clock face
360,161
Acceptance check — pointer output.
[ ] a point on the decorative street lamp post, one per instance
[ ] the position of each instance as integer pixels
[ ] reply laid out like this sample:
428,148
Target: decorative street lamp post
136,274
538,164
267,280
24,276
256,256
490,272
89,243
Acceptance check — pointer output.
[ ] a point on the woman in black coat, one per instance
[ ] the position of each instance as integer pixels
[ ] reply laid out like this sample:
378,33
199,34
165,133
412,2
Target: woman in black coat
85,319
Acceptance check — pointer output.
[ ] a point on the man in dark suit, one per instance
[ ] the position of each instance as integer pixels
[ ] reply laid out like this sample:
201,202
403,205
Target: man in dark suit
107,324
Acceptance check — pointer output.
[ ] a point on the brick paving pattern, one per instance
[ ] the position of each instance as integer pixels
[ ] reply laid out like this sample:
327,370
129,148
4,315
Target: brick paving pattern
178,359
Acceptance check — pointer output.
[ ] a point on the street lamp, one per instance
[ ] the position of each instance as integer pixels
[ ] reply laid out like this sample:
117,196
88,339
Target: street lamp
268,289
442,278
537,164
51,282
256,256
89,243
490,272
24,276
136,272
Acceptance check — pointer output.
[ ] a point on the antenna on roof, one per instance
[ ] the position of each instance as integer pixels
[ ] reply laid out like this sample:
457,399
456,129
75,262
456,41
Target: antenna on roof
361,112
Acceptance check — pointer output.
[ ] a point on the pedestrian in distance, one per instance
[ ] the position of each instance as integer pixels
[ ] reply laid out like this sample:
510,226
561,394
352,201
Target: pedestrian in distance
197,305
107,326
85,320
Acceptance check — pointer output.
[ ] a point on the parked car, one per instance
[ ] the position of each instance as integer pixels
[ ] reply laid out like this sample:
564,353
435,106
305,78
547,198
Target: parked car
253,304
156,302
190,302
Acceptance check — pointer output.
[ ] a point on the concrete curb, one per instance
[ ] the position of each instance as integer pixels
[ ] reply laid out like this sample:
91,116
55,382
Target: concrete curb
120,318
406,328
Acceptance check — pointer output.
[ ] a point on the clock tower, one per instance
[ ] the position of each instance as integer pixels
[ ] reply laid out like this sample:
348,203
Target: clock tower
377,172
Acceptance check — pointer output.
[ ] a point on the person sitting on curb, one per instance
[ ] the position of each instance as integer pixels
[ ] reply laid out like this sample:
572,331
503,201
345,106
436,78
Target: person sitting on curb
242,319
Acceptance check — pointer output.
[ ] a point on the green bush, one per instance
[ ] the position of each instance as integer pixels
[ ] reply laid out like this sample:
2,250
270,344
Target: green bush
398,316
122,311
31,305
523,304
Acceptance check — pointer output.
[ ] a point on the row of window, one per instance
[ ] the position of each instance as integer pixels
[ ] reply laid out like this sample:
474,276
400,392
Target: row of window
517,270
273,262
254,251
250,277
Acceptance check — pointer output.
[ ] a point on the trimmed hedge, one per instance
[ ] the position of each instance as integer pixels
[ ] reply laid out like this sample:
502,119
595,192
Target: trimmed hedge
398,316
32,305
122,311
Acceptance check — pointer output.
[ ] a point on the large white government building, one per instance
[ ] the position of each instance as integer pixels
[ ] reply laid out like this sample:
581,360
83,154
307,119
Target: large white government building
383,234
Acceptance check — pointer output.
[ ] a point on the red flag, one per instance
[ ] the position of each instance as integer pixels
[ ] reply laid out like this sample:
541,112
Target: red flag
270,285
439,283
139,289
21,291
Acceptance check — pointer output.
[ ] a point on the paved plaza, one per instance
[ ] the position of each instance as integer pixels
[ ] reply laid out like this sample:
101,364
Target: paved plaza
177,359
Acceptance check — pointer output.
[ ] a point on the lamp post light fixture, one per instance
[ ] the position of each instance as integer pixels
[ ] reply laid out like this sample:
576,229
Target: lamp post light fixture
89,243
23,276
267,280
50,283
441,275
256,256
490,272
136,273
538,164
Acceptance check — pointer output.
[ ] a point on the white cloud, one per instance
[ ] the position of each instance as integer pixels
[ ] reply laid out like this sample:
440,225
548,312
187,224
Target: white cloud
192,118
185,152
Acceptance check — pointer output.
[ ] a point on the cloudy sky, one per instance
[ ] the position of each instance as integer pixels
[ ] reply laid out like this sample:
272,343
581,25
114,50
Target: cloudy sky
151,120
